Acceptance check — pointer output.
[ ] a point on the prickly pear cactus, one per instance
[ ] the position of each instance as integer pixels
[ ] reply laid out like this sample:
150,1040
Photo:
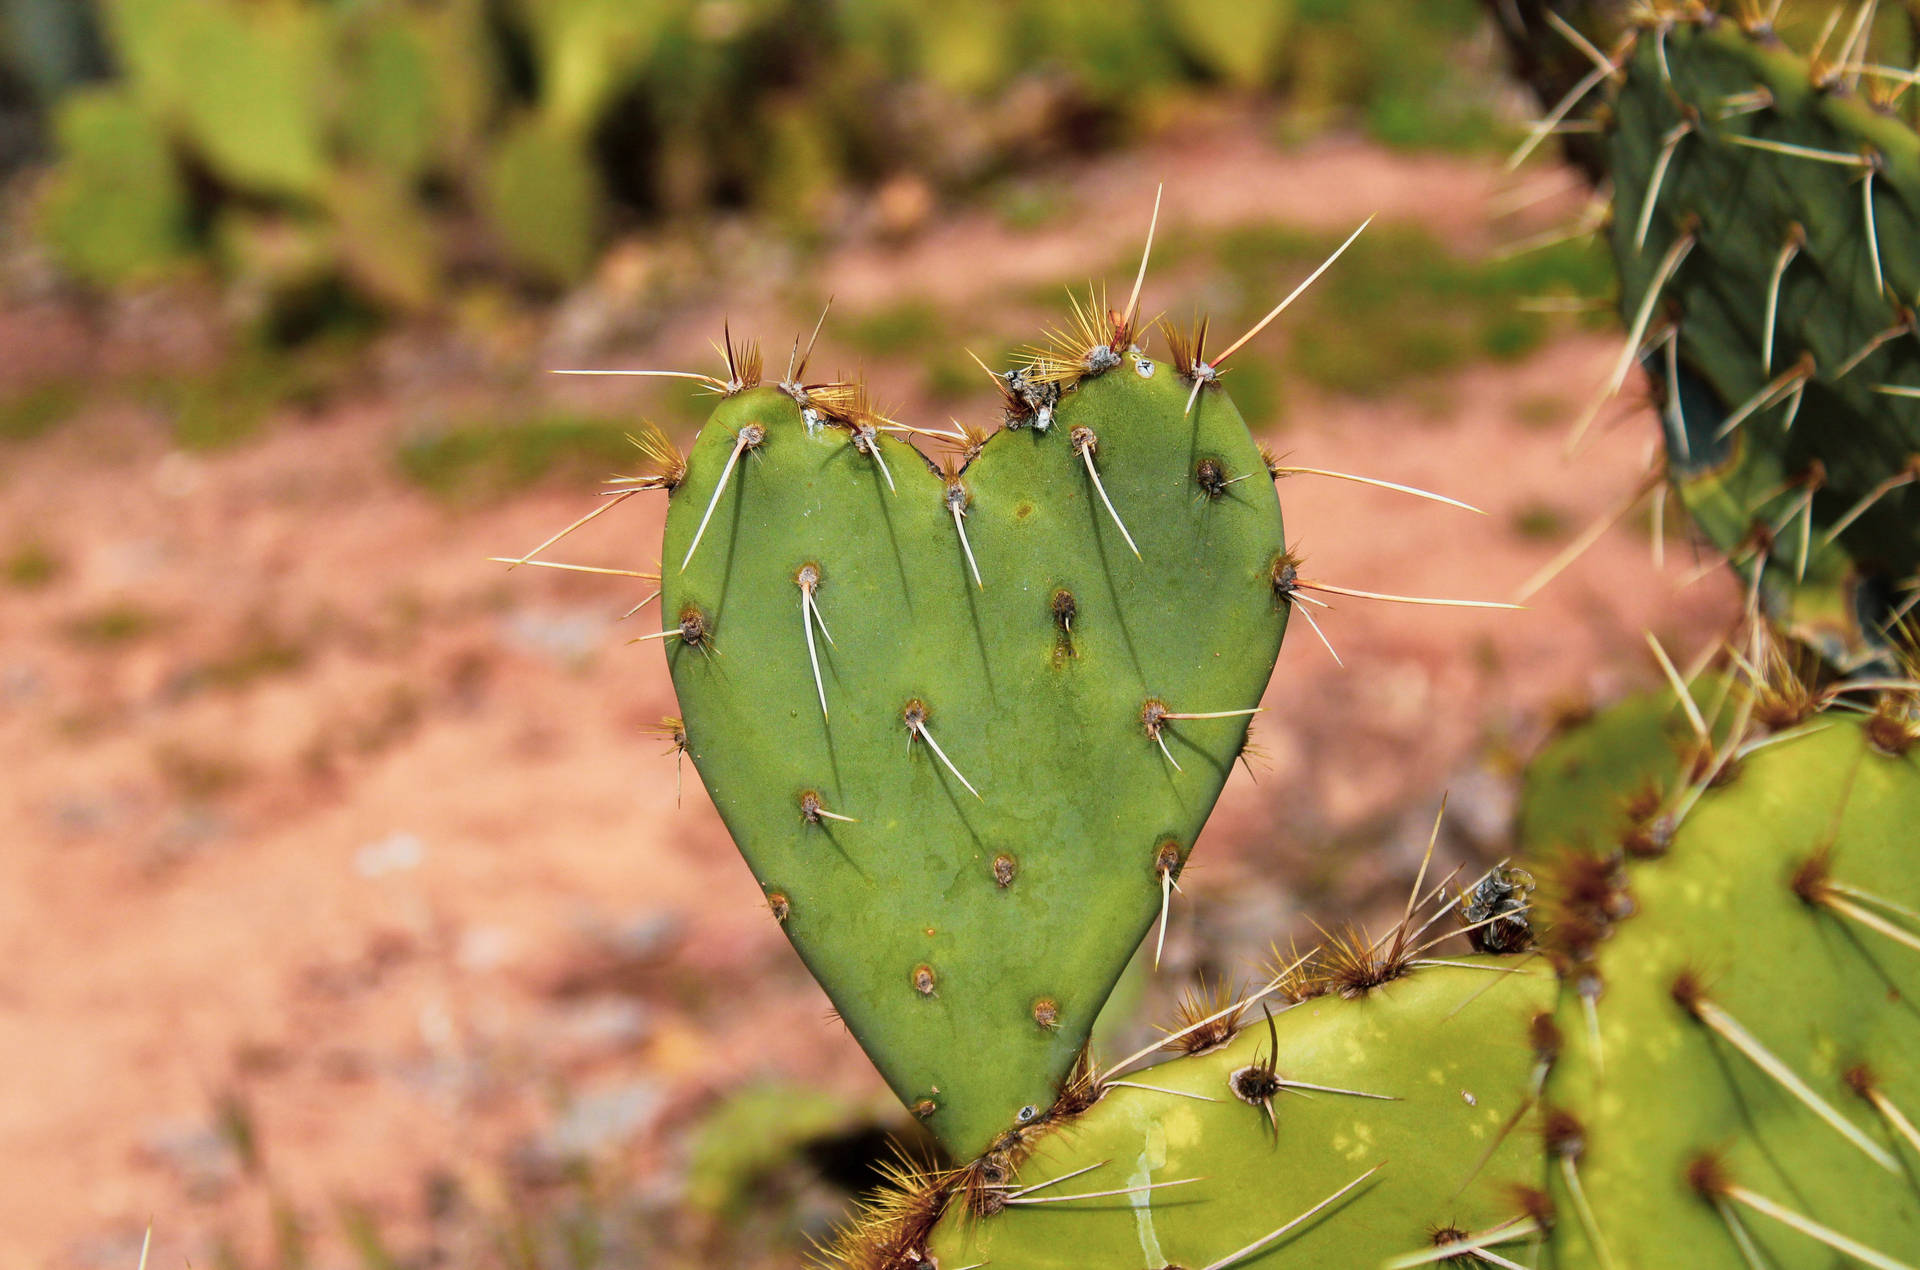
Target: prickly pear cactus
116,210
1552,65
1347,1133
966,725
1241,42
1593,783
245,85
1764,223
1710,1067
542,199
1737,1074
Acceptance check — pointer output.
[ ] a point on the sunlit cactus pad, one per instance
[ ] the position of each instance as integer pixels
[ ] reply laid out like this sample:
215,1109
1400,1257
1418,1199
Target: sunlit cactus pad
1737,1078
1381,1126
967,817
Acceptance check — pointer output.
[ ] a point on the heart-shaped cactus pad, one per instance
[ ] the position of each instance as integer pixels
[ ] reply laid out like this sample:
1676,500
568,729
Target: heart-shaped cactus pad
967,816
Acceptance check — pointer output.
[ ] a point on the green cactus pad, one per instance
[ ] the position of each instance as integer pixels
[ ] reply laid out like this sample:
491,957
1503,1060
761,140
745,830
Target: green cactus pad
391,117
1457,1149
1239,42
1581,789
1730,1020
542,199
116,209
1754,187
383,238
969,940
251,85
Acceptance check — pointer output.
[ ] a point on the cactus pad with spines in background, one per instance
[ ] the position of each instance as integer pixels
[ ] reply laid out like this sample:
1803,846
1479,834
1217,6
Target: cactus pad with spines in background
1766,211
969,921
247,89
542,198
1588,784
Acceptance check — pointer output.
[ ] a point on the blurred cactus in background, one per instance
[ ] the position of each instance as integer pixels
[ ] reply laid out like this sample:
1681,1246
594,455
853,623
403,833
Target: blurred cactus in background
313,153
1552,65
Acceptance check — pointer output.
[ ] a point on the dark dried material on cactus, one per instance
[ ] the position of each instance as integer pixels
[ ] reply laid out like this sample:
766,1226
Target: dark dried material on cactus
1495,912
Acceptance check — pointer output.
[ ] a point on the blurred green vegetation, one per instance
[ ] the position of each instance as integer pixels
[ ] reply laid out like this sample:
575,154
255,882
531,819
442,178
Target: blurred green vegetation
899,328
392,150
234,399
30,566
1401,304
1407,68
261,652
770,1170
202,407
1540,522
473,462
113,626
32,411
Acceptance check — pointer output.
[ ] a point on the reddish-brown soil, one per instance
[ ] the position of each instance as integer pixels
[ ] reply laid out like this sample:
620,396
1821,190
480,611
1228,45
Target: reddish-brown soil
370,835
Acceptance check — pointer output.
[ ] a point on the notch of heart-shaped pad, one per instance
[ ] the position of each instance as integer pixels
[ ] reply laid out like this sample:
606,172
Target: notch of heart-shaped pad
967,819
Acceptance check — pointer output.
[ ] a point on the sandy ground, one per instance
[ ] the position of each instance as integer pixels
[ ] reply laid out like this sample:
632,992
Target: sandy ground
423,902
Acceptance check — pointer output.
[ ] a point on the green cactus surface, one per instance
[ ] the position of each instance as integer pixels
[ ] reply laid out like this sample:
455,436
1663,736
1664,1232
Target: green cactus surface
1585,786
542,198
1237,41
116,210
1765,220
319,126
969,818
1454,1150
250,93
551,123
392,117
1737,1033
1710,1066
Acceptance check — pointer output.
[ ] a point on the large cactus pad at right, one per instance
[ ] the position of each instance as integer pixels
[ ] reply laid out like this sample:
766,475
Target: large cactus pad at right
1739,964
1767,217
